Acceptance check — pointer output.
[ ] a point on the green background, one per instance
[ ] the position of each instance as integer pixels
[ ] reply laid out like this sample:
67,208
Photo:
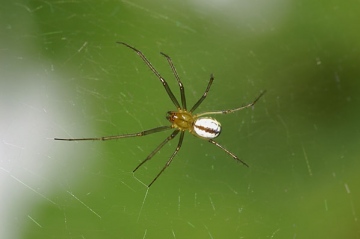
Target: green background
63,75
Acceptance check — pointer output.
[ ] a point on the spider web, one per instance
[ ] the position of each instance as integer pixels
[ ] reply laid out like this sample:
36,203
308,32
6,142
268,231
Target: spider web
63,75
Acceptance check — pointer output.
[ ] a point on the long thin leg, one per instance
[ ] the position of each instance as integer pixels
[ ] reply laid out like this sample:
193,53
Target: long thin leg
147,62
171,158
157,148
232,110
228,152
182,90
143,133
204,95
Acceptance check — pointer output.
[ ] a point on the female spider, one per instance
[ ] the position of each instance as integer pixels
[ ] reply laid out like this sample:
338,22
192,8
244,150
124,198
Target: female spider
181,119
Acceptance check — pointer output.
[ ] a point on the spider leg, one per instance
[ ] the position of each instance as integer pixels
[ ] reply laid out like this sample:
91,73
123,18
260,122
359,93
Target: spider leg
171,158
142,133
182,89
233,110
204,95
157,149
228,152
152,68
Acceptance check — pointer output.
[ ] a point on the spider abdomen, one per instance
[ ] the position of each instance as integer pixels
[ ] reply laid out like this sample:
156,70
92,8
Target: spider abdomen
206,128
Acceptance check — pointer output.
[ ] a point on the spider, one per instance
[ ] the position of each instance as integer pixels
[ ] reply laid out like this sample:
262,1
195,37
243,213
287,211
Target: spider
181,119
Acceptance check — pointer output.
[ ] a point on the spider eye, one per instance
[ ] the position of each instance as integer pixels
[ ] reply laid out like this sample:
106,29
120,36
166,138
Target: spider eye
170,116
207,128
